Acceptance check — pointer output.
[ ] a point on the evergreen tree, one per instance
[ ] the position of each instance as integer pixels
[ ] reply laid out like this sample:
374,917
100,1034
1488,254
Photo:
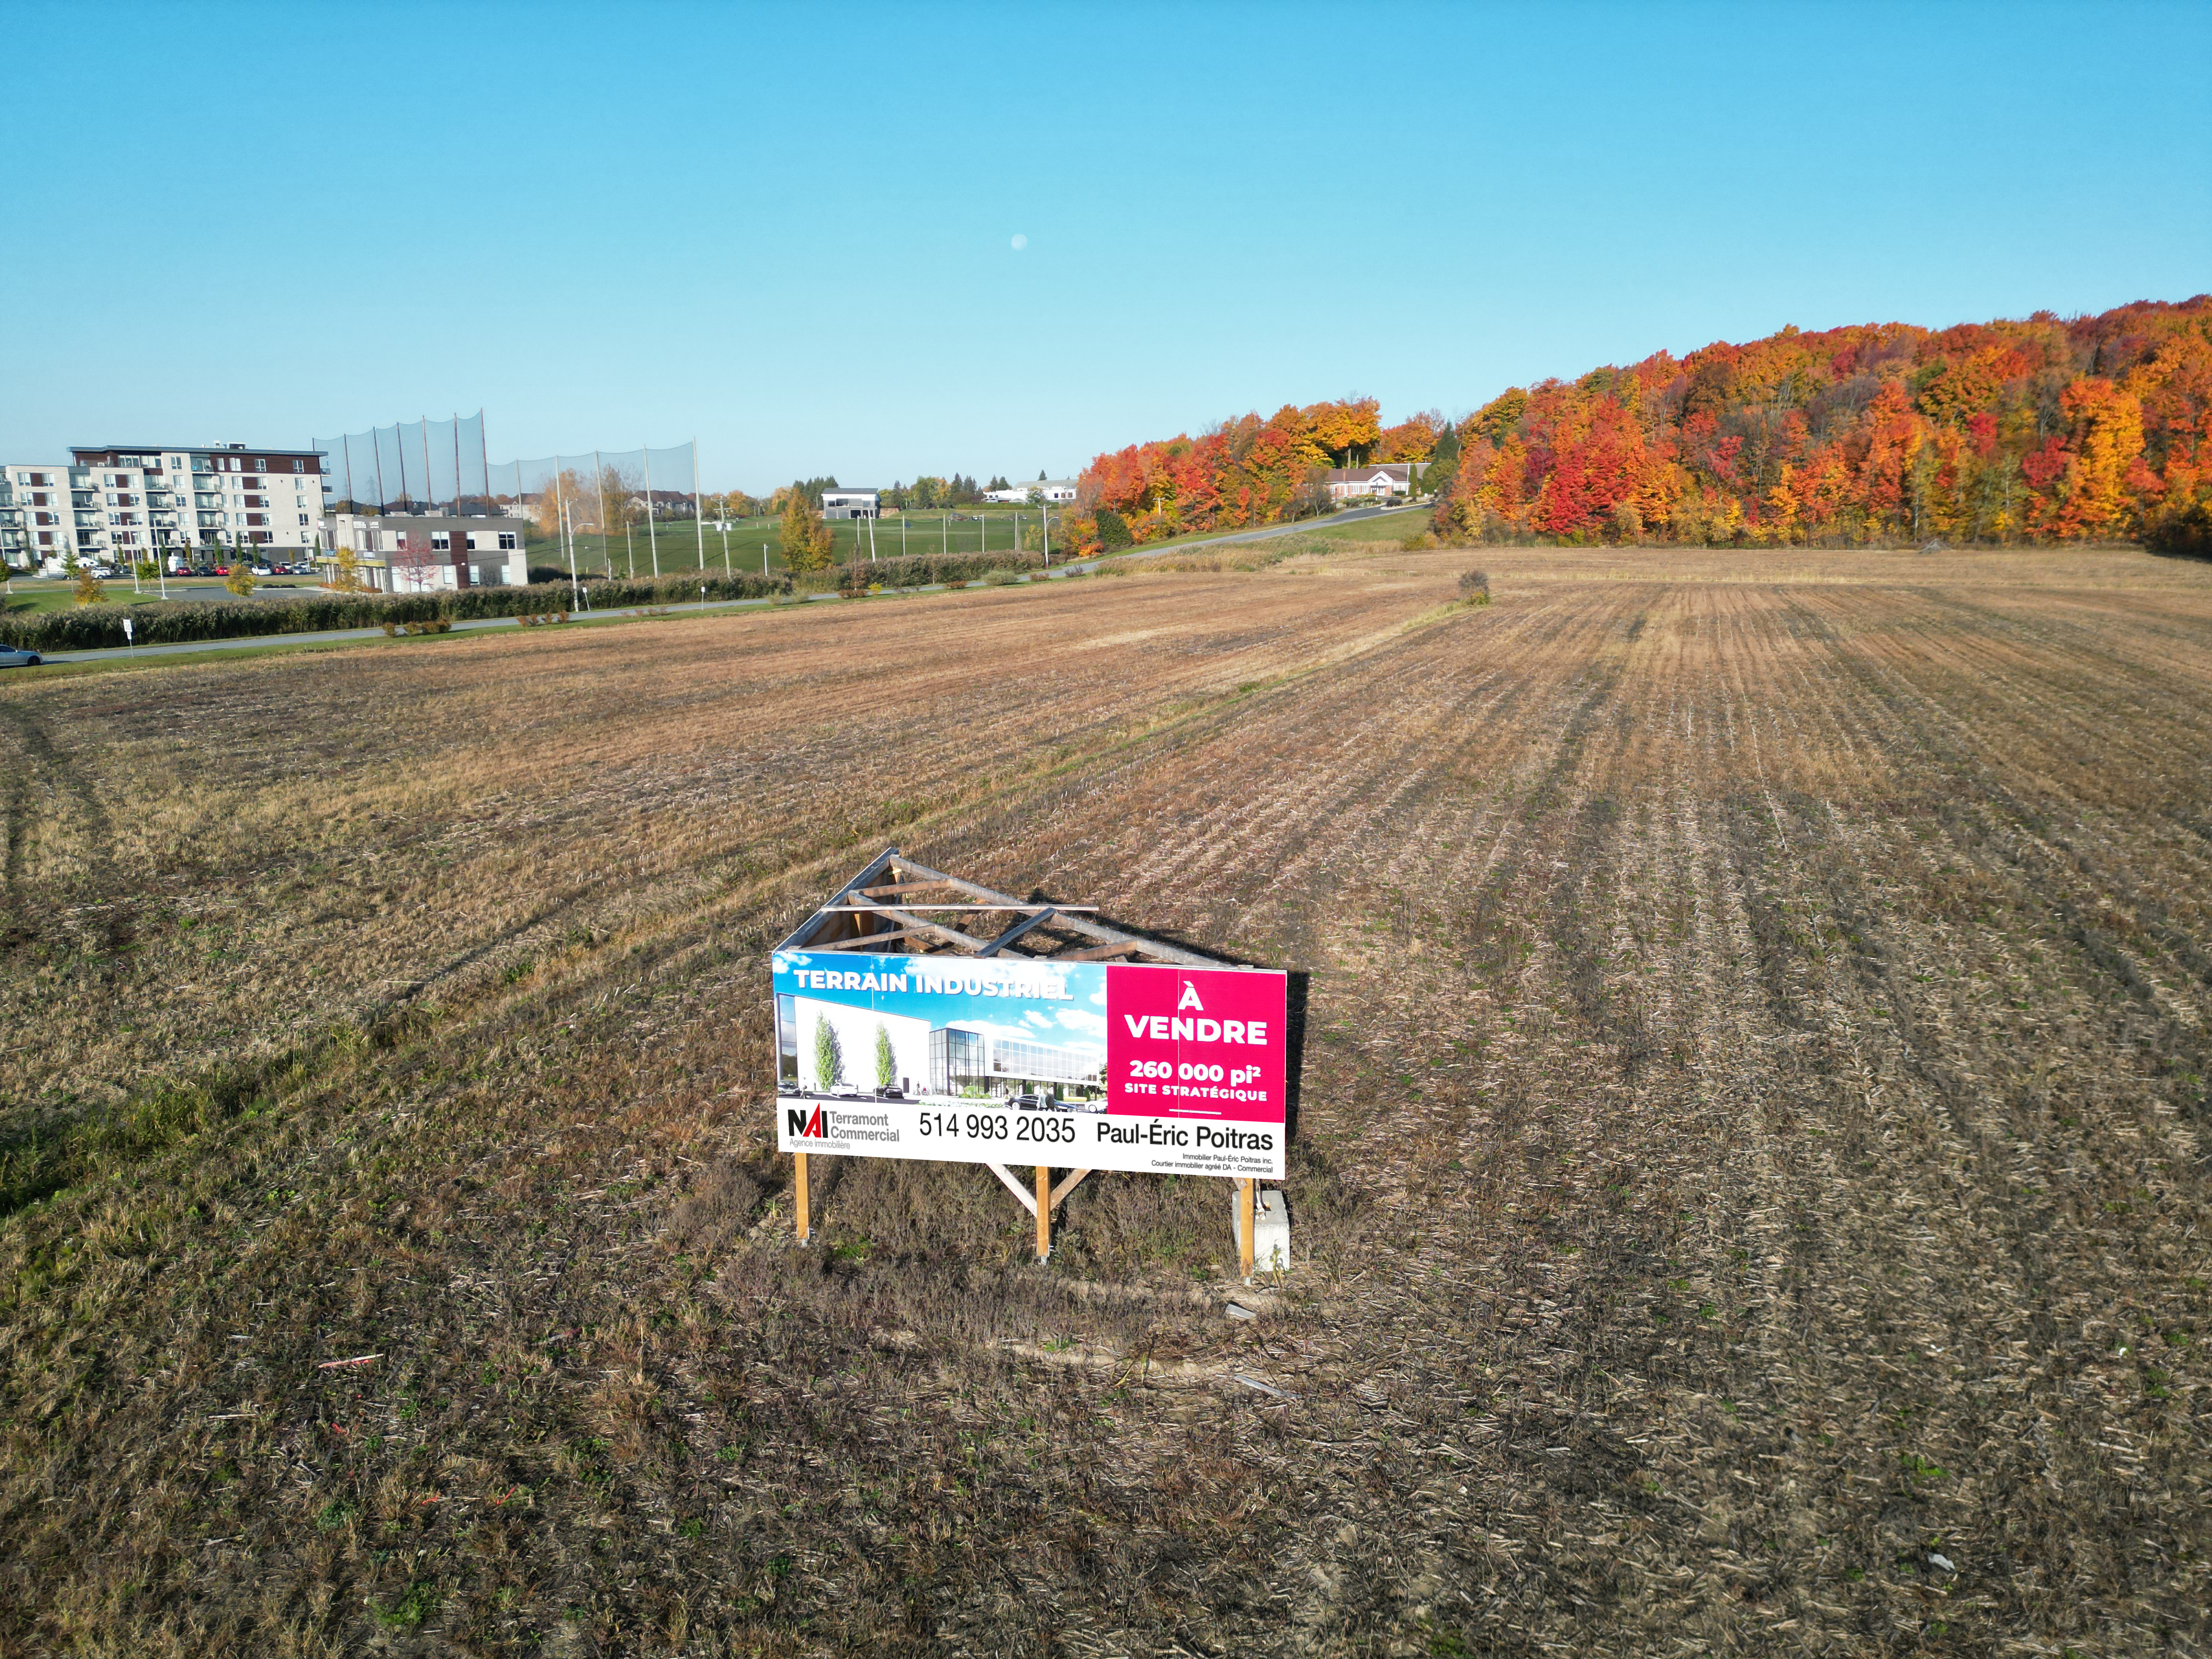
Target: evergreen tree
828,1056
886,1062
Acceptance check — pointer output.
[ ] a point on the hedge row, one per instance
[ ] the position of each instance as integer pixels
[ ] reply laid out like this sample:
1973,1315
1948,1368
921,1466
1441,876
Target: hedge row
922,569
93,627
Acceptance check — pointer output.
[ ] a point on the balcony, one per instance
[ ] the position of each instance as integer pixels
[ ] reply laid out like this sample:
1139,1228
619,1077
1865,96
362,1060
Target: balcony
87,521
210,520
207,501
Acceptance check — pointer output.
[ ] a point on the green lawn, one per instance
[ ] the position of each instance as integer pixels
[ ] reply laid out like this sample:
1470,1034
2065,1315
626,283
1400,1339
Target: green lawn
749,540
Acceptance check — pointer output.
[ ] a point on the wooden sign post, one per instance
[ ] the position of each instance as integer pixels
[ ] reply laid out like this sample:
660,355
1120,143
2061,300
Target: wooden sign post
993,1042
1245,1247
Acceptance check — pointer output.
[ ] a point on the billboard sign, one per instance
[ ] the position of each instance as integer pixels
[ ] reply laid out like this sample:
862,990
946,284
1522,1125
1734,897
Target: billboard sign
1024,1060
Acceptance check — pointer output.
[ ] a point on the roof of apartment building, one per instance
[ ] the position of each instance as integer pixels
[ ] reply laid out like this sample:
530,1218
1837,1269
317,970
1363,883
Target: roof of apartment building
192,449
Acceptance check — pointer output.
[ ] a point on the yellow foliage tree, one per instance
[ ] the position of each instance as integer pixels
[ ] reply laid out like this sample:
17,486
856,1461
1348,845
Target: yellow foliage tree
2108,435
807,541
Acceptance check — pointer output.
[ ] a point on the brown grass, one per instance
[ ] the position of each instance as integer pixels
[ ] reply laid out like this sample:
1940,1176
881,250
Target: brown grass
1752,1136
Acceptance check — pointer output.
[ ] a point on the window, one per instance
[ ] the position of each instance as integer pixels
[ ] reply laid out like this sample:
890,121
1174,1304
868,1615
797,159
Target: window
506,541
440,542
303,518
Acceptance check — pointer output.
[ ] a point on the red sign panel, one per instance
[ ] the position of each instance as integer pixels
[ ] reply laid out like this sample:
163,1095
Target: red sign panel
1206,1044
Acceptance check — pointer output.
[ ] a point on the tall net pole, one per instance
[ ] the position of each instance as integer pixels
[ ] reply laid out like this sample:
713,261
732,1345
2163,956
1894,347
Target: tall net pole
599,482
652,541
426,462
699,507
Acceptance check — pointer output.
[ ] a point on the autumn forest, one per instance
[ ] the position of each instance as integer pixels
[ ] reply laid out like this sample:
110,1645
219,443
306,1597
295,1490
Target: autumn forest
2093,428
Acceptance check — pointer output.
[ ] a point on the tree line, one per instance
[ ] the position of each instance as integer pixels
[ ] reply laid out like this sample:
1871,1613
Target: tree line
1245,470
2046,429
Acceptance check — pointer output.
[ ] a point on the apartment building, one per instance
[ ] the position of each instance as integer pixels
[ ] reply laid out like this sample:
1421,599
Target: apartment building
112,503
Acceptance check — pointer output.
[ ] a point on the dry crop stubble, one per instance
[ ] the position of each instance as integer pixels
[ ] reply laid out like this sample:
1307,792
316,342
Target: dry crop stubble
1753,1090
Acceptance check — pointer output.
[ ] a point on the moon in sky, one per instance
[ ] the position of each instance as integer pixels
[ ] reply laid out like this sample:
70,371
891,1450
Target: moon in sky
1020,242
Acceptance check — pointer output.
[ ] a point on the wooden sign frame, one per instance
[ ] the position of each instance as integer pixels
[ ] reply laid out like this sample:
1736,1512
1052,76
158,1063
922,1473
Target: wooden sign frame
872,913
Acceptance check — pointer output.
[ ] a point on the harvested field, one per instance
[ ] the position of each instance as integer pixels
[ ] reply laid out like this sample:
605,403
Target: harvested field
1748,1192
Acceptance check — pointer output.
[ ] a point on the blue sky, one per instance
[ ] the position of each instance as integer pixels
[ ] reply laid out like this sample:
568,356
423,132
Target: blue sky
788,230
1078,1022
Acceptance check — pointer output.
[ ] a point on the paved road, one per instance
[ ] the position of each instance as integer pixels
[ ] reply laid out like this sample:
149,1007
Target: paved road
1348,516
338,635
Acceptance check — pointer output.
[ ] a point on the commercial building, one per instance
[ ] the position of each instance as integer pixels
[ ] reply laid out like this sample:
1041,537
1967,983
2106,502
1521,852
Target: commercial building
1055,491
426,553
851,504
964,1057
1381,478
116,503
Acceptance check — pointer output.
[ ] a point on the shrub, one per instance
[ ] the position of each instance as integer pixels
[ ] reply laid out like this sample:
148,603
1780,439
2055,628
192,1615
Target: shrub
922,569
1113,529
1474,587
2188,533
1417,544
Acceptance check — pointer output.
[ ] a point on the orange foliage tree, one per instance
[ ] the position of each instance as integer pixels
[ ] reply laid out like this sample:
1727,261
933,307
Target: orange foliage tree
2095,426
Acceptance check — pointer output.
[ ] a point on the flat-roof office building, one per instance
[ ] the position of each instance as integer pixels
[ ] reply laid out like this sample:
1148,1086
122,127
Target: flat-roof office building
425,553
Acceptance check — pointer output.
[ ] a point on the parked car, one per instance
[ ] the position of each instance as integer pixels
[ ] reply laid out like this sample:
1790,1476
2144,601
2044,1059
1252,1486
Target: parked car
785,1086
846,1092
1090,1103
220,570
264,570
891,1093
11,658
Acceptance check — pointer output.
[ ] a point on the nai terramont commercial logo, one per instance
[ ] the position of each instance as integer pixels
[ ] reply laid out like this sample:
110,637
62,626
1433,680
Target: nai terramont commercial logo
1094,1065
